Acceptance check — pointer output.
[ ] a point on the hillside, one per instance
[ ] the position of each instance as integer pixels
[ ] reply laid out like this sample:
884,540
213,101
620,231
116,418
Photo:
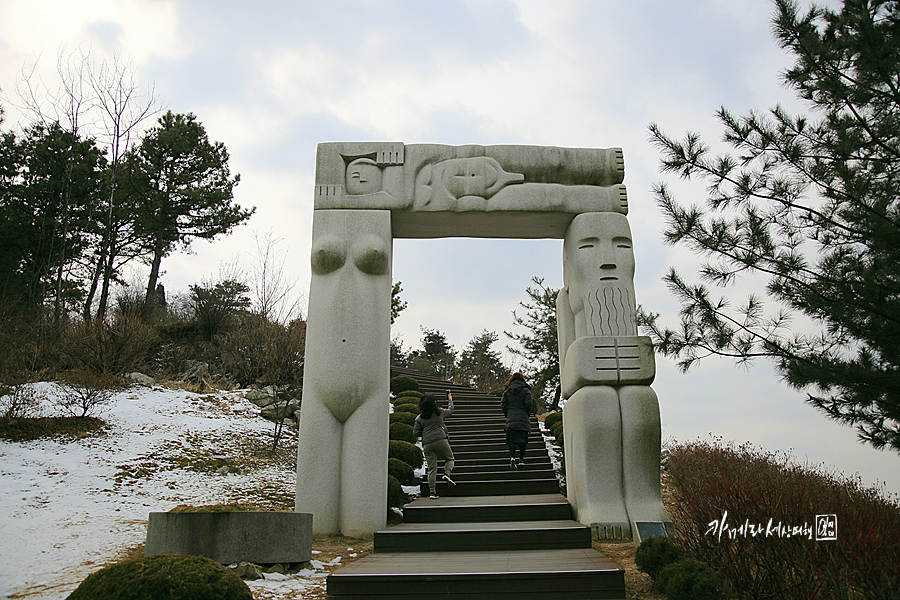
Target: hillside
72,503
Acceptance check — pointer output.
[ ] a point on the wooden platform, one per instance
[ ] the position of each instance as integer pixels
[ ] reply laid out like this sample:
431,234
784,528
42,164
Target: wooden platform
477,575
499,534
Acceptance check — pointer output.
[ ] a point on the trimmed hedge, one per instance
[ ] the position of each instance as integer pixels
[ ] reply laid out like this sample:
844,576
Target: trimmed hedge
552,418
557,431
655,554
402,383
402,431
396,496
407,452
163,577
410,408
403,417
689,579
401,471
410,393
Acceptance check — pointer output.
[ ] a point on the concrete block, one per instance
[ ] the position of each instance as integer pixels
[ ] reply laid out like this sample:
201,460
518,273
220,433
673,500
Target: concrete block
232,536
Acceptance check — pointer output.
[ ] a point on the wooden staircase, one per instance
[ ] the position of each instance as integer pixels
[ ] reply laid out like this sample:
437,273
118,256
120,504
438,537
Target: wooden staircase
499,534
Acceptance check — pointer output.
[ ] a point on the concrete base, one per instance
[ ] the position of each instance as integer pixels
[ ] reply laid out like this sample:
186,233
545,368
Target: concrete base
231,537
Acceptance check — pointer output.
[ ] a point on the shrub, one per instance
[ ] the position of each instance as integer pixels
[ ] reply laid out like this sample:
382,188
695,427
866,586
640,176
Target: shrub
84,392
396,496
265,352
557,431
407,452
403,417
409,408
101,347
23,401
402,383
688,579
163,577
401,471
654,554
754,486
402,431
410,393
552,418
215,306
497,392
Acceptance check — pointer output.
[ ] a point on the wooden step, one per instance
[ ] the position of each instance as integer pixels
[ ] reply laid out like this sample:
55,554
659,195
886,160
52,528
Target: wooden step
473,509
492,535
531,464
507,475
579,574
494,487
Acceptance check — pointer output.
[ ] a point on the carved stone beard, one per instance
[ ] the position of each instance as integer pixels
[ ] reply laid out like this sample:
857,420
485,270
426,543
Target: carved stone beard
610,311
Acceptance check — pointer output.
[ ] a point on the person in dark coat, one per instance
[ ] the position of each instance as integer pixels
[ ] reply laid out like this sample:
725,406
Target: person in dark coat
516,405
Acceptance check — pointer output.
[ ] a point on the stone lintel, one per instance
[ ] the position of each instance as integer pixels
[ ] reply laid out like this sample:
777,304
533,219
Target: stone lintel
531,191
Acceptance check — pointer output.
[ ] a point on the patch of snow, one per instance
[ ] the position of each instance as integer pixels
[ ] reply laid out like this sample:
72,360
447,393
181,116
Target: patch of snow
68,506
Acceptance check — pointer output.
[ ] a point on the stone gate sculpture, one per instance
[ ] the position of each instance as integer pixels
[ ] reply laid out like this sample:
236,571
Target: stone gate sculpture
366,195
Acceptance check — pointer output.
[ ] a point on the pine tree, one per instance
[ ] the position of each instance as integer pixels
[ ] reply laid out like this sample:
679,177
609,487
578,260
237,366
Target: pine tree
539,346
811,203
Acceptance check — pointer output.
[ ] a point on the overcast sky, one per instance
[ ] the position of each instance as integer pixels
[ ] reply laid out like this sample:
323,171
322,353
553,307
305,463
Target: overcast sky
272,79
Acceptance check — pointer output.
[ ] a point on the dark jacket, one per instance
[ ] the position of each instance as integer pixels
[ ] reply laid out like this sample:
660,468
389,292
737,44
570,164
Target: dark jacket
516,405
433,429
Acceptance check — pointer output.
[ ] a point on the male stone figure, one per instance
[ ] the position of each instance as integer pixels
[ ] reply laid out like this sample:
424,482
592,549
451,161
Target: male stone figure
611,418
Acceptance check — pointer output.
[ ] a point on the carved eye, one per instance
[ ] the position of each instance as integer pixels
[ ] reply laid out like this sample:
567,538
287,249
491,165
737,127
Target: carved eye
328,255
371,256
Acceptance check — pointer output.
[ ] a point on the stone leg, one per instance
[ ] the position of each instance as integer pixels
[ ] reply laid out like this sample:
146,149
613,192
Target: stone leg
342,448
319,466
364,469
641,433
592,425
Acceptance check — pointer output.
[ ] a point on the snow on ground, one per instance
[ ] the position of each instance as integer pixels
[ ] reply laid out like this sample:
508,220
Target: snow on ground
69,505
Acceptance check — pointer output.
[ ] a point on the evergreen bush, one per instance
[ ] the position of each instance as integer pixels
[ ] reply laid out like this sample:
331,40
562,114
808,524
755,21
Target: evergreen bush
655,554
409,408
403,417
402,383
689,579
396,496
163,577
557,431
407,452
552,418
401,471
402,431
410,393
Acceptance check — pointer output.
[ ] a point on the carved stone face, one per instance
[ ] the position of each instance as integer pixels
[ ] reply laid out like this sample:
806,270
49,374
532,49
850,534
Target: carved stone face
598,270
363,177
598,251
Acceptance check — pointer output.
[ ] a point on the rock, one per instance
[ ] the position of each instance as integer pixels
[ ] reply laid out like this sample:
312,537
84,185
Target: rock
278,410
195,370
277,568
246,570
141,379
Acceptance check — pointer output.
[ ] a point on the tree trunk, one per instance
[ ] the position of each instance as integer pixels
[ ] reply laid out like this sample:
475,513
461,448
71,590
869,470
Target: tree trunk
150,296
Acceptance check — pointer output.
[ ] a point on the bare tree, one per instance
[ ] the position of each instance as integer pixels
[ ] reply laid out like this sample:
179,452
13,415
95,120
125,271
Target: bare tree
102,99
274,295
121,105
